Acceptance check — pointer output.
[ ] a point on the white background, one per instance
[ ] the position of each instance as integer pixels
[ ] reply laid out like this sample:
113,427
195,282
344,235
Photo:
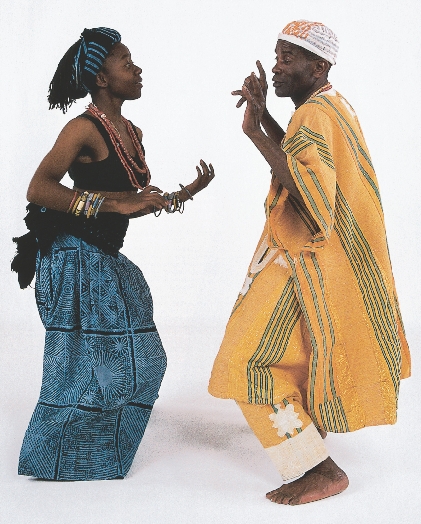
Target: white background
199,462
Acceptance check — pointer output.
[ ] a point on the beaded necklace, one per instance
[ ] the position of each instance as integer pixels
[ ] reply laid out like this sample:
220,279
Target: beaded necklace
326,87
126,159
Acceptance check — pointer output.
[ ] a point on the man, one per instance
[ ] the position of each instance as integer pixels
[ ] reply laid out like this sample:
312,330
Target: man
315,342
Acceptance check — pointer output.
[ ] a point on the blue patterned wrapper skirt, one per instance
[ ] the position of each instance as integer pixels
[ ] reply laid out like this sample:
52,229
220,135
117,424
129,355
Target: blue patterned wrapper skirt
103,365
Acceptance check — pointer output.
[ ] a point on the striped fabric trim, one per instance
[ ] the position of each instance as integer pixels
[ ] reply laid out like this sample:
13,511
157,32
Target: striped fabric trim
314,346
272,346
320,328
304,214
322,338
314,101
328,358
309,196
320,189
315,243
365,174
372,286
355,146
333,416
275,198
303,138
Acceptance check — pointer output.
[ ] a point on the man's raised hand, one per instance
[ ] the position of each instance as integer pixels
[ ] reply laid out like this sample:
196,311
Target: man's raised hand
256,105
262,81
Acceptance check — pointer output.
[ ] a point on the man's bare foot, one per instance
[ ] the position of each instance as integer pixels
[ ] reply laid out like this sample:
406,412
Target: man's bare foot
324,480
322,432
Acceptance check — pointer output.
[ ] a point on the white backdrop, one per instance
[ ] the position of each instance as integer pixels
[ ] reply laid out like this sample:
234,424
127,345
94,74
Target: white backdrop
193,54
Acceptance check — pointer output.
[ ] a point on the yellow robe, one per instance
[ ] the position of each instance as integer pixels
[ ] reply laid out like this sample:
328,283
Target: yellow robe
318,315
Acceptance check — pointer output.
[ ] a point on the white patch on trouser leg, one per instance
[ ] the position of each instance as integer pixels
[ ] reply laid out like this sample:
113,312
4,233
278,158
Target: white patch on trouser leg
298,454
285,419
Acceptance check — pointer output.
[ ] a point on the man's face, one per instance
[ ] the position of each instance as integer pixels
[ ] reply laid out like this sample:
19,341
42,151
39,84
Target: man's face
293,71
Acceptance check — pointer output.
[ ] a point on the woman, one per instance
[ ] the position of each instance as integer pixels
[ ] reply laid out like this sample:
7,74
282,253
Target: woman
104,360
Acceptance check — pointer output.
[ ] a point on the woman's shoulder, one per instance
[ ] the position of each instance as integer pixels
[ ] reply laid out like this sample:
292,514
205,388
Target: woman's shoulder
79,129
81,122
139,132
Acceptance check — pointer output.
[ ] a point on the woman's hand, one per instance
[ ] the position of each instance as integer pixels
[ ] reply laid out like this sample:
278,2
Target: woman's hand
204,177
142,203
150,199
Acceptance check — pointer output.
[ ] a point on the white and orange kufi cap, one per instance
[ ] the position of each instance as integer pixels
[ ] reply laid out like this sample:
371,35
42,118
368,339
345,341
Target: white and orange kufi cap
314,37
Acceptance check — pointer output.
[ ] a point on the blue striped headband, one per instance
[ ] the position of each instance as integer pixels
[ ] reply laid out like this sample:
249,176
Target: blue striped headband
94,47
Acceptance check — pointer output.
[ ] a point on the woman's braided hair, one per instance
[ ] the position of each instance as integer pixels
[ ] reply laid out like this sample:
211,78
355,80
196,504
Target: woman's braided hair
76,72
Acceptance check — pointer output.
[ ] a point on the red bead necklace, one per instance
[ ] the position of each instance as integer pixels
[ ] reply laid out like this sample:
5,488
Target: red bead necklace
324,88
126,159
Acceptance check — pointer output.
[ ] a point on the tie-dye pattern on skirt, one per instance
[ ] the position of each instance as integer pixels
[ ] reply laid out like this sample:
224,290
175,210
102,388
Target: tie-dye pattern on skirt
103,365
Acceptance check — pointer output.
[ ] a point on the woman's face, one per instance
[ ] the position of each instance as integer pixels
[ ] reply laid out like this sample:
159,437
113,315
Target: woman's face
120,74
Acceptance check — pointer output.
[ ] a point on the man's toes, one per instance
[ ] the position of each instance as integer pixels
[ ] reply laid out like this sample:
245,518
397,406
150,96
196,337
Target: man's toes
274,491
278,496
273,495
286,500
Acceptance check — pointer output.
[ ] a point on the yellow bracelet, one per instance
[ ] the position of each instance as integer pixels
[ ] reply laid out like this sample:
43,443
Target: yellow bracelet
80,203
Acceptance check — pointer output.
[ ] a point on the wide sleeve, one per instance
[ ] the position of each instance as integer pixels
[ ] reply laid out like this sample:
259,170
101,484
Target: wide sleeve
309,148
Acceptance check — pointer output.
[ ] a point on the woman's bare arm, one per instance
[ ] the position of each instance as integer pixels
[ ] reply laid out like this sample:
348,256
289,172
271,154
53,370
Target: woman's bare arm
46,190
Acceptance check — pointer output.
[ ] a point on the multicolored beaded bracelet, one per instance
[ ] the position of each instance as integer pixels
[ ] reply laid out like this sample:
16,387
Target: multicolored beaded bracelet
87,204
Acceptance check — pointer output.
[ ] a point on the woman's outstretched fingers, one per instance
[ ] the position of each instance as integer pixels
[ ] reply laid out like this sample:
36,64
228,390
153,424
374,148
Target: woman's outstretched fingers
208,171
204,176
204,167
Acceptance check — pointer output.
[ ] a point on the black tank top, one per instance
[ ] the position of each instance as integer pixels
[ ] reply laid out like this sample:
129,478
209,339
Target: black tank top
108,174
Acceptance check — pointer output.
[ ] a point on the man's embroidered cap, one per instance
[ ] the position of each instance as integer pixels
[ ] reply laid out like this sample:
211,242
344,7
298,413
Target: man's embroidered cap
313,36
